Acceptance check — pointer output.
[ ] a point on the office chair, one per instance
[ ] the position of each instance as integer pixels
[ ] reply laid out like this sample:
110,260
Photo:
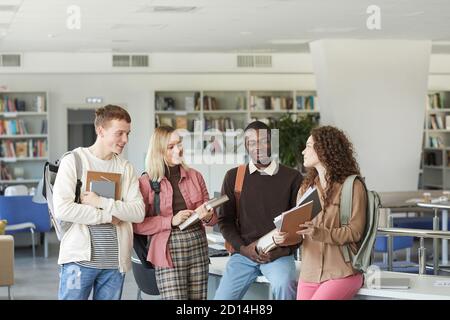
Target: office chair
24,215
145,278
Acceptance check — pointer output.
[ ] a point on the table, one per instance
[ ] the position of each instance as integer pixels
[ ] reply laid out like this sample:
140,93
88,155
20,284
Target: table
422,286
444,207
400,201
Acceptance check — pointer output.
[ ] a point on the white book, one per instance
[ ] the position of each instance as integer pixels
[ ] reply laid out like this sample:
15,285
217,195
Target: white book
211,204
447,122
440,122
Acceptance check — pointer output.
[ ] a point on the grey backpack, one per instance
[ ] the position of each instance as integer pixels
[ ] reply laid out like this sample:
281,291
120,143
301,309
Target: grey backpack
50,172
363,258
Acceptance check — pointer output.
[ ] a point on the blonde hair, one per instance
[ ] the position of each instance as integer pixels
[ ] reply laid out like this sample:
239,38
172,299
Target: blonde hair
155,160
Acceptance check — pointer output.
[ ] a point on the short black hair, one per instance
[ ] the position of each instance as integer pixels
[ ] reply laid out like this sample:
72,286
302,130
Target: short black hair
257,125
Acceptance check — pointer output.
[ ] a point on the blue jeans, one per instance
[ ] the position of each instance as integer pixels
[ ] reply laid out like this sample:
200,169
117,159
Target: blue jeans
241,272
76,283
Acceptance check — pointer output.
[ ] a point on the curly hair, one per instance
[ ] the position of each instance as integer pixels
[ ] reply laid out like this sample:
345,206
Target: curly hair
336,154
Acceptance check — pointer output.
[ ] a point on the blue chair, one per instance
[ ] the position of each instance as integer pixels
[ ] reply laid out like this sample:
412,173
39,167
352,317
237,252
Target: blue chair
24,215
399,243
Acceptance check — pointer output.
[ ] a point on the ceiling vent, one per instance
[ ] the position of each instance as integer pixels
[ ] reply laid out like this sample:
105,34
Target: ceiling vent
10,60
254,61
125,60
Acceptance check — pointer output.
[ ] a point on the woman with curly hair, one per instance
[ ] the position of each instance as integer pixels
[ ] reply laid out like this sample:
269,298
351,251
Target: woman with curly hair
329,159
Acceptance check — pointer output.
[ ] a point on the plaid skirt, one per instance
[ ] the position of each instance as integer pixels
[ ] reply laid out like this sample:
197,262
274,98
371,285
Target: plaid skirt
188,279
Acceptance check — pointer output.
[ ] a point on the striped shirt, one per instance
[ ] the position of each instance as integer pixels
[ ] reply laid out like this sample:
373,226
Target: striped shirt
104,247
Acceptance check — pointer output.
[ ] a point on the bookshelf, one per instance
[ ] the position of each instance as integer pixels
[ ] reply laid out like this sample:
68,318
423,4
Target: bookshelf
23,137
228,111
435,163
221,117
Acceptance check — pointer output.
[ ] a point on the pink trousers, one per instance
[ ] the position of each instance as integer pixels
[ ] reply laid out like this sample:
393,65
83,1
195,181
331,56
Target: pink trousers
337,289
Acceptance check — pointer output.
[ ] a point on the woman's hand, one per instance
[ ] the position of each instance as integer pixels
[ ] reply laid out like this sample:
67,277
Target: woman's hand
279,237
203,213
308,231
181,217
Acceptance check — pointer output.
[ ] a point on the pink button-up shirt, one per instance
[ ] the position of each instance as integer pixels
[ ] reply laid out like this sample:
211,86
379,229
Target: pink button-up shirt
194,191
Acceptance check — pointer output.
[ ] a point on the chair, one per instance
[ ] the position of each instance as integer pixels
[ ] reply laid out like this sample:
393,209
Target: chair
7,263
23,214
399,243
145,279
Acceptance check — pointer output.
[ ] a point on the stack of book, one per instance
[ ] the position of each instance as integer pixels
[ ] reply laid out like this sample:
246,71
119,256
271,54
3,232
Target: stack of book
271,103
436,100
305,102
8,104
221,124
12,127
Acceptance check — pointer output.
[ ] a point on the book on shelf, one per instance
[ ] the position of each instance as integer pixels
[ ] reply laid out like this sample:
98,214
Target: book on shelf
221,124
12,127
189,103
22,149
40,103
164,103
447,122
37,148
440,122
44,126
433,122
306,102
273,103
209,103
430,159
4,172
181,123
437,100
7,149
164,121
436,142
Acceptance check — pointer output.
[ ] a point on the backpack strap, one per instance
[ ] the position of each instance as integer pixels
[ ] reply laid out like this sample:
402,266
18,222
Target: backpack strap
346,205
79,169
238,184
156,187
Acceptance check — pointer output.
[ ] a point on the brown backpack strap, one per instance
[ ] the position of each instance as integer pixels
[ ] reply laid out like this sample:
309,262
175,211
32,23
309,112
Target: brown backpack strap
238,188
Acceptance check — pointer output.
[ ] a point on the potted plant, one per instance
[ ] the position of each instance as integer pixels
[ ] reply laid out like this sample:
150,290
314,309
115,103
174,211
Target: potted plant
293,134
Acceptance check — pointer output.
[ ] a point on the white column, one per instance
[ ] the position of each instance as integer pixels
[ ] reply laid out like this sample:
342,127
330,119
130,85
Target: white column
375,91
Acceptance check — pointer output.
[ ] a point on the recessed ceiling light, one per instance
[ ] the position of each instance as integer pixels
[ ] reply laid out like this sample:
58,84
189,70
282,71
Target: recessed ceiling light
119,26
289,41
412,14
246,33
168,9
51,35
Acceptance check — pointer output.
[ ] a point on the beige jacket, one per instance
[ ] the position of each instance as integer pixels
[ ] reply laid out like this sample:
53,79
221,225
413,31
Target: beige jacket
76,244
322,257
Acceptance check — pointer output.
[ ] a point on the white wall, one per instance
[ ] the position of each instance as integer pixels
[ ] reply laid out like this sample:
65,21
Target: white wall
368,89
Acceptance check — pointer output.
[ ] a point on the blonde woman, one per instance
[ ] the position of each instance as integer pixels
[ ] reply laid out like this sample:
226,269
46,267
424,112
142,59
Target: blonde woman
180,257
